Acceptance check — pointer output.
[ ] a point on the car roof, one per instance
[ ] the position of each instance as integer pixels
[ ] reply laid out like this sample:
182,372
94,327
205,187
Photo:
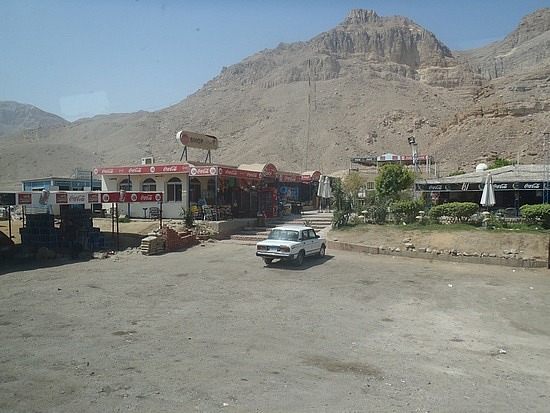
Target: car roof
292,227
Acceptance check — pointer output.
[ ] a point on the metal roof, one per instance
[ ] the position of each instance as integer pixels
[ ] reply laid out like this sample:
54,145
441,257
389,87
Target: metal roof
511,173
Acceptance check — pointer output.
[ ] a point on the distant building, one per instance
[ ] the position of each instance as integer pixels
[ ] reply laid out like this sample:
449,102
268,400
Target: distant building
514,186
61,184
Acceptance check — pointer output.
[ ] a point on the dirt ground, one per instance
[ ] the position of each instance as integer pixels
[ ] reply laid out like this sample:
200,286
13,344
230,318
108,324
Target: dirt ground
212,329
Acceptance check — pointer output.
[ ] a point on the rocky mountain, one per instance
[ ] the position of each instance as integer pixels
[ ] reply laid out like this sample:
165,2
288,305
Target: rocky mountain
17,117
360,89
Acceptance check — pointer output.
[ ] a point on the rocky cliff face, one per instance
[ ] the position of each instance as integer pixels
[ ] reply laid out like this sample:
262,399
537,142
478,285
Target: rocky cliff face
525,49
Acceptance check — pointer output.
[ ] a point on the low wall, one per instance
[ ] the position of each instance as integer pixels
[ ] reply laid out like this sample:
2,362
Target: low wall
466,259
226,228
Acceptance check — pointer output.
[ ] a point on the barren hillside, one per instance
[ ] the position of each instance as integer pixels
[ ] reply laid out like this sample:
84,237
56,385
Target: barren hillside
359,89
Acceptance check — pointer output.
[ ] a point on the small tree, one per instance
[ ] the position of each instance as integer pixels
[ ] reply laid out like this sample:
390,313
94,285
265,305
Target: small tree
392,179
351,186
342,204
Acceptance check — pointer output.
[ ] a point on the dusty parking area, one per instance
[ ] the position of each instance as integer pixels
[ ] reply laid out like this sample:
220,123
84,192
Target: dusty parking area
212,329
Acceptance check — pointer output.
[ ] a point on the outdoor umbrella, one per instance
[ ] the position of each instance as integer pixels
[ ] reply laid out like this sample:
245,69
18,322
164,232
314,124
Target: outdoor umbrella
320,191
488,195
327,192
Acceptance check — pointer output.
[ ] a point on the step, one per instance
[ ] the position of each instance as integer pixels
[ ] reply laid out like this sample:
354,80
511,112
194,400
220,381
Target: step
249,238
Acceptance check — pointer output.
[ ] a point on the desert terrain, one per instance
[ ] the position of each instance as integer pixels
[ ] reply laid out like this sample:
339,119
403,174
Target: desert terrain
212,329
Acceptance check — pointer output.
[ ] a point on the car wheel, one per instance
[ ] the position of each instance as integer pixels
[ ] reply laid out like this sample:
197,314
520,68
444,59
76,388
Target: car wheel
268,260
322,251
299,260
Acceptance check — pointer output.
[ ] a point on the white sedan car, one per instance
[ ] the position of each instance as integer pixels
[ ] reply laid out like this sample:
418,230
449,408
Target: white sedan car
291,242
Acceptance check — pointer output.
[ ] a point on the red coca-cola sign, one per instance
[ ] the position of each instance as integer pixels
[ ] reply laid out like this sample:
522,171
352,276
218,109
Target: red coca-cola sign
61,198
130,197
93,198
24,199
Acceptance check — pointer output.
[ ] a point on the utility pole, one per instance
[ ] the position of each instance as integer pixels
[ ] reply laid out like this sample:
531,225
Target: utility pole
414,146
546,183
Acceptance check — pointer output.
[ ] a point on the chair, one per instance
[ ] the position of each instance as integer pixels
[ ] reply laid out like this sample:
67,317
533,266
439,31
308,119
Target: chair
207,213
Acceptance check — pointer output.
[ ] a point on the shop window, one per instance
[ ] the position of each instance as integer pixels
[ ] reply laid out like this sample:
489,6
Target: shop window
149,185
194,190
125,185
174,190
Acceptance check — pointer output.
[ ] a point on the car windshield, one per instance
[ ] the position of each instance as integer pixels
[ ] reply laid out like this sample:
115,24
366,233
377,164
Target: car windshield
283,234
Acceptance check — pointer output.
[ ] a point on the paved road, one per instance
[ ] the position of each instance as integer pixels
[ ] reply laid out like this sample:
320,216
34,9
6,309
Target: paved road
212,329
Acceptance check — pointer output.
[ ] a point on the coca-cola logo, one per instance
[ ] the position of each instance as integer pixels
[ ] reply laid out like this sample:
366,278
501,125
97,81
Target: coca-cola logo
172,168
435,187
532,186
107,171
229,172
77,198
134,170
146,197
500,186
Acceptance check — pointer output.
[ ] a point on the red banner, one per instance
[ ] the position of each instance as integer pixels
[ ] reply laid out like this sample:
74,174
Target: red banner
203,171
239,173
130,197
81,197
290,177
143,169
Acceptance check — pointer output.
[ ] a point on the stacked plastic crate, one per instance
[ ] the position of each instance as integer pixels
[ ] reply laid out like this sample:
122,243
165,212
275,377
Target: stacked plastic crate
91,237
40,232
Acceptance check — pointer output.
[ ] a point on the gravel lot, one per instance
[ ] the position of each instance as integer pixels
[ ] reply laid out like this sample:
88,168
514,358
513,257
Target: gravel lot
211,329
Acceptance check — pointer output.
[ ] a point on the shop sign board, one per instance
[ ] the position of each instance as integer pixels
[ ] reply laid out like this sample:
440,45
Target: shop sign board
197,140
240,173
269,171
203,171
470,186
81,197
311,176
289,177
130,197
143,169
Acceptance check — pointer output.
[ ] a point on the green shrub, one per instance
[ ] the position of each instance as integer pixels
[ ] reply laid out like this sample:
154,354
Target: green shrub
455,211
406,211
538,213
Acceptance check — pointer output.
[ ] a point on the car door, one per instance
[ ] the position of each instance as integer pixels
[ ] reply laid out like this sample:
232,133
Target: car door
310,241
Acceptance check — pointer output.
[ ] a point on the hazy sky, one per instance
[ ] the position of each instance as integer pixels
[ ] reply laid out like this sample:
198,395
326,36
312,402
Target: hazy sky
80,58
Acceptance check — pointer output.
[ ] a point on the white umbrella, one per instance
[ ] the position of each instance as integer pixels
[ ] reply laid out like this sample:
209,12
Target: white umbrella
320,187
488,195
327,192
